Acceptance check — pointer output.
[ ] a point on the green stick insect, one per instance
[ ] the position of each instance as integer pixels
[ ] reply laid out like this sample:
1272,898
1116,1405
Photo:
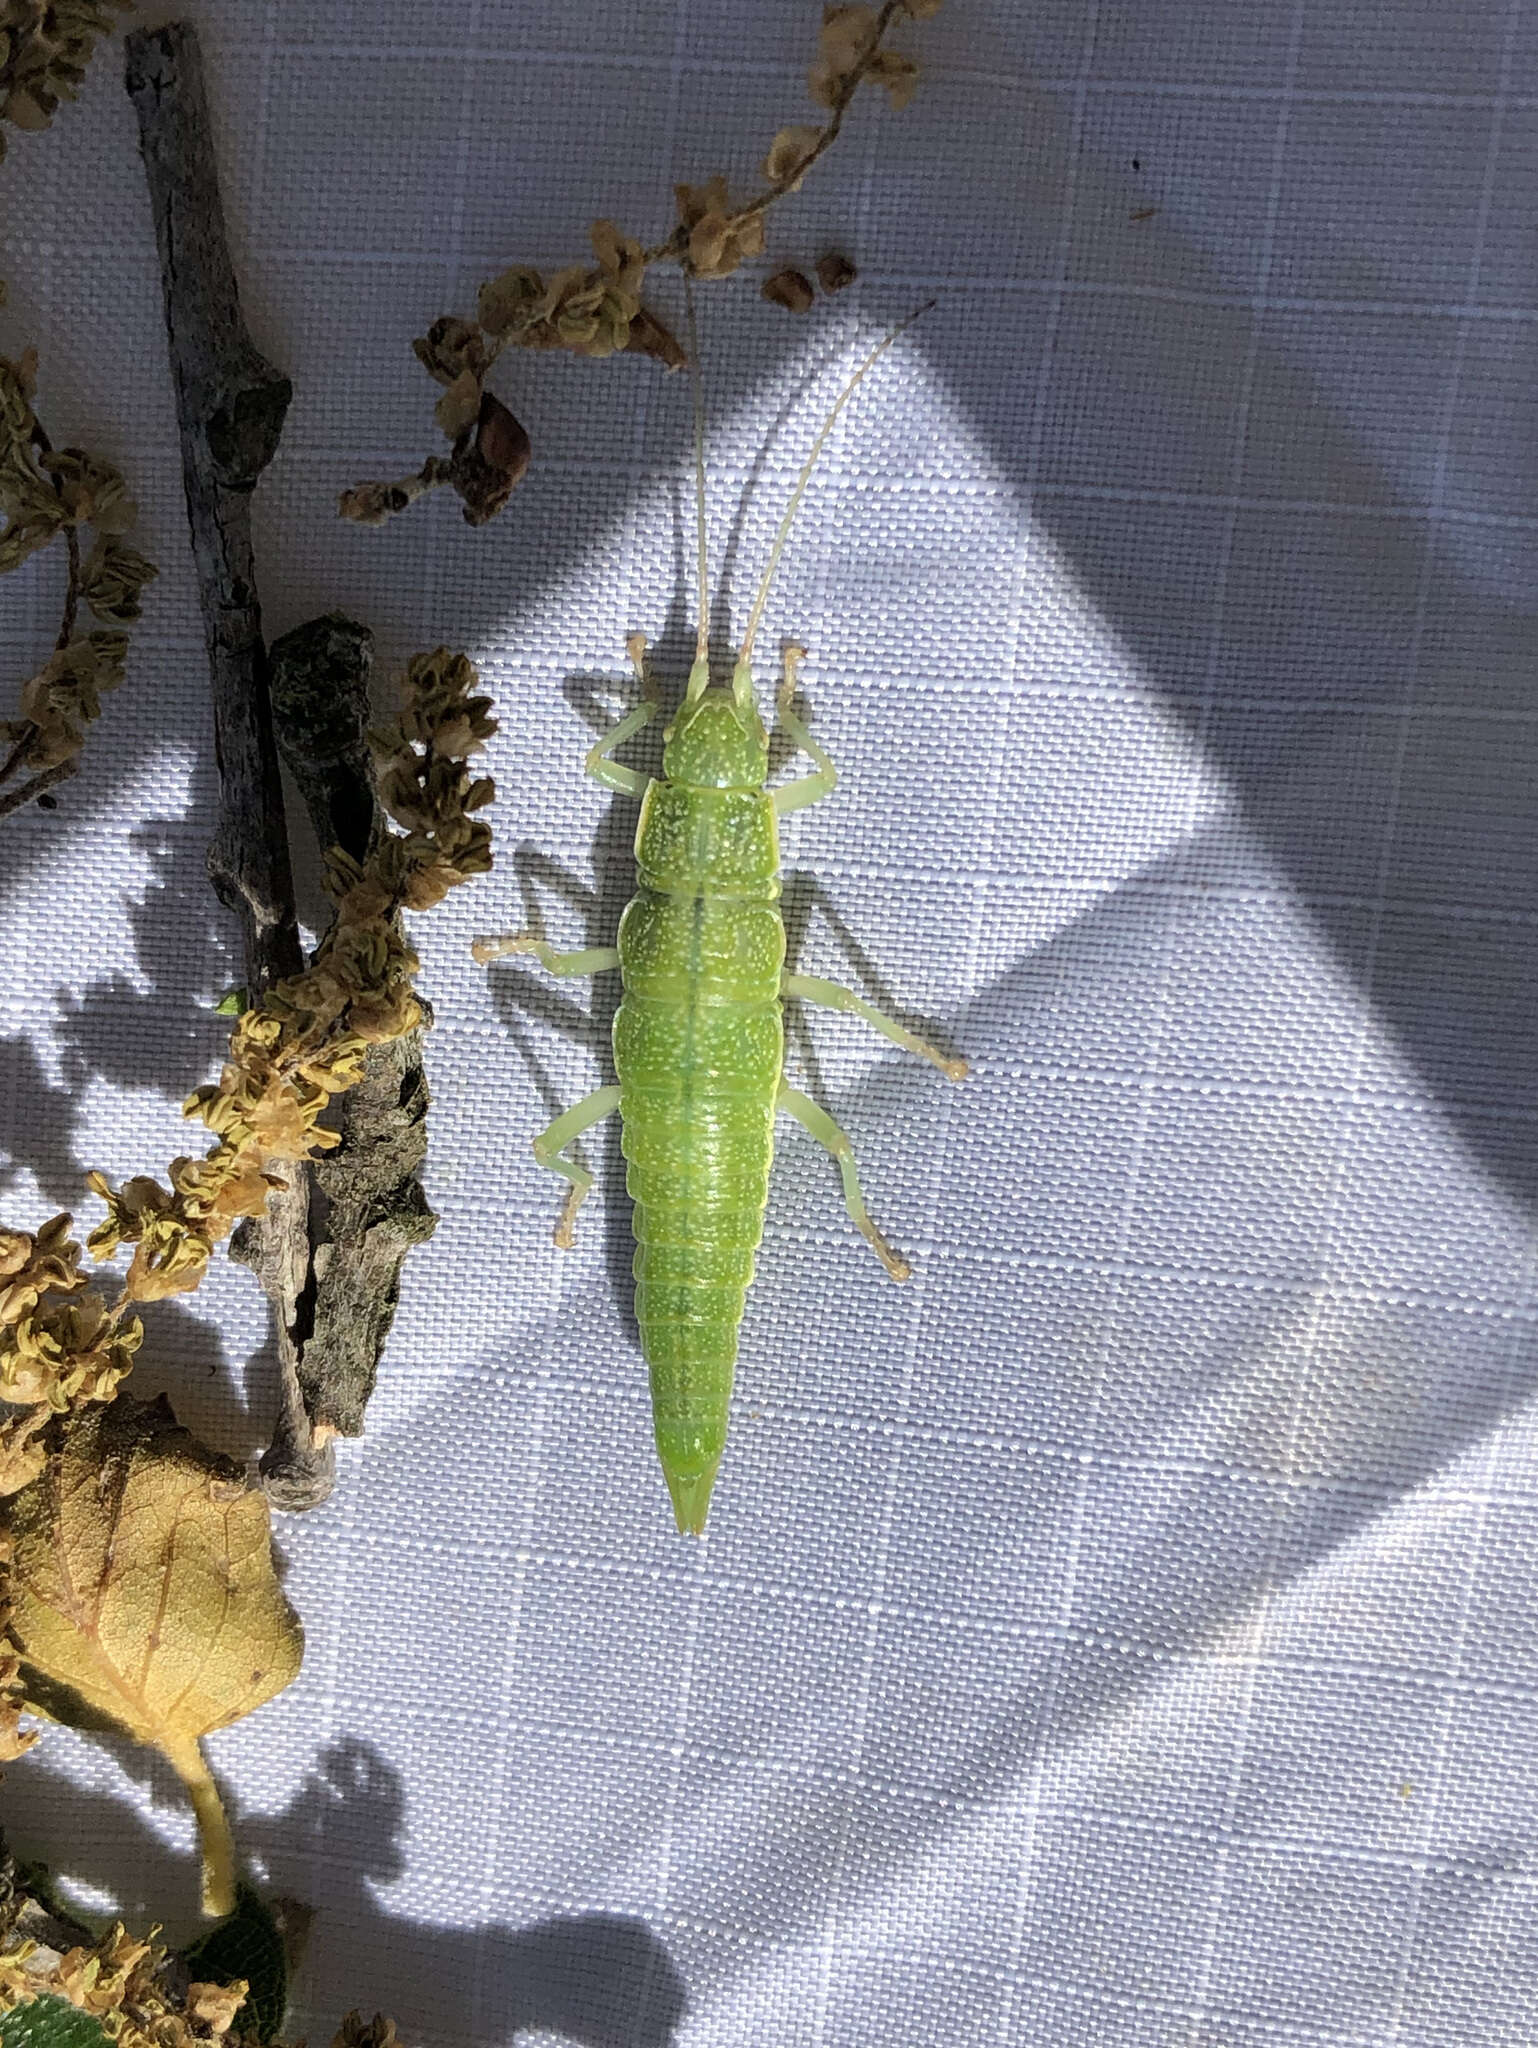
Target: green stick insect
699,1039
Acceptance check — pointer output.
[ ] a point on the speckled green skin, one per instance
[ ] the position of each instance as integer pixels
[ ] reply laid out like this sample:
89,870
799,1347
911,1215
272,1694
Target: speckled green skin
699,1048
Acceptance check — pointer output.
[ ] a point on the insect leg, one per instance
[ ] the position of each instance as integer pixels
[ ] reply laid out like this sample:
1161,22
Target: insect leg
832,995
811,789
591,960
599,764
832,1139
552,1142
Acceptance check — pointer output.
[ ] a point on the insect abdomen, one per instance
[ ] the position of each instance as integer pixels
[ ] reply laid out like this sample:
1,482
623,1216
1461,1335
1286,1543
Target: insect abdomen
696,1228
699,1048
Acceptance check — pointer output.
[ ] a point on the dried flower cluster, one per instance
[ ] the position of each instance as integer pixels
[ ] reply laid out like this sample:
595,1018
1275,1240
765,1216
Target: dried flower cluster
61,1346
132,1987
596,309
140,1994
45,46
306,1039
44,493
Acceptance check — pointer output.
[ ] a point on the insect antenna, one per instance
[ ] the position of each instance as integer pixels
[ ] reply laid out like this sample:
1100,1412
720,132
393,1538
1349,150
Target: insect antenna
742,681
699,675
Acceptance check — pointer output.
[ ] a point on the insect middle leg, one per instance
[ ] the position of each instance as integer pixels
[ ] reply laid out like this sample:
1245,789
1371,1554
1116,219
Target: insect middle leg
832,1139
552,1142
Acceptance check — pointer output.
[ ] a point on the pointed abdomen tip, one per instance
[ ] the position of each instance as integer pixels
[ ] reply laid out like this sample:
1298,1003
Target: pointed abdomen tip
691,1500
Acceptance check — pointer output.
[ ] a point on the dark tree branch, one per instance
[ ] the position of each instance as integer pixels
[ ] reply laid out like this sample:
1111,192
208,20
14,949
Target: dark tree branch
230,406
15,799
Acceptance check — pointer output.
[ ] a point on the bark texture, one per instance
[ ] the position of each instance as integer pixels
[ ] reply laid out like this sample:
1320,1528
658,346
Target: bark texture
367,1208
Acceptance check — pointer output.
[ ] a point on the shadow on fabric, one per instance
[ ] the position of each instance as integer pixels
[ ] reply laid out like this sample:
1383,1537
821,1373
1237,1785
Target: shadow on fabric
602,1980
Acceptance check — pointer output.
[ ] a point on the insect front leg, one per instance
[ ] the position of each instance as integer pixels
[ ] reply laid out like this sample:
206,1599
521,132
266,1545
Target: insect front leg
811,789
832,1139
832,995
552,1142
600,764
590,960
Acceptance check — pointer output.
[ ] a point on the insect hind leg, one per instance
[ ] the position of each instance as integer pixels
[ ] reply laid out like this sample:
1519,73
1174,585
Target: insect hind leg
832,1139
552,1142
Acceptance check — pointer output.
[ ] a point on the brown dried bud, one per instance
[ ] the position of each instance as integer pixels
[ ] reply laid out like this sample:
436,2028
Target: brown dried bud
489,462
449,348
372,504
835,272
922,10
648,337
788,288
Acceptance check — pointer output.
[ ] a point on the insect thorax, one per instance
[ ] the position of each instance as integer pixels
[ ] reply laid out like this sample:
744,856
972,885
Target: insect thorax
708,842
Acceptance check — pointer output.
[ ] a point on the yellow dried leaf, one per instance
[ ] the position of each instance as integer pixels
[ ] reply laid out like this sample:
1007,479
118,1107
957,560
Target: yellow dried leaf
25,111
899,74
458,406
711,253
788,153
143,1593
509,299
620,257
695,201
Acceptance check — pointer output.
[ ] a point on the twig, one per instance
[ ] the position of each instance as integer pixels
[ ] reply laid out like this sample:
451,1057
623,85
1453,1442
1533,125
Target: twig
71,589
16,799
230,407
675,246
13,759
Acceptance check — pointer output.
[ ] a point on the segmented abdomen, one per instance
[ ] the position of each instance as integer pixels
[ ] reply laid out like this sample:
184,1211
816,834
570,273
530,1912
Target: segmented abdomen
699,1049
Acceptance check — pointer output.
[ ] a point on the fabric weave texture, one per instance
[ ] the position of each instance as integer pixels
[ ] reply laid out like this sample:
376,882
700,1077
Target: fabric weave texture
1121,1636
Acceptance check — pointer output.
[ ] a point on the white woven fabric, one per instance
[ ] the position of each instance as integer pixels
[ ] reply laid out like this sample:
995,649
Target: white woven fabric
1123,1634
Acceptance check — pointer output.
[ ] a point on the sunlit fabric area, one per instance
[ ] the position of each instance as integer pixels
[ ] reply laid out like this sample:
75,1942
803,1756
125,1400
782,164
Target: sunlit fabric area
1122,1634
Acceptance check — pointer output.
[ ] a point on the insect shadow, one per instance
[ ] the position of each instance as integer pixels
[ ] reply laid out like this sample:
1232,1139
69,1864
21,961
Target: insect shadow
602,1980
38,1125
524,998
